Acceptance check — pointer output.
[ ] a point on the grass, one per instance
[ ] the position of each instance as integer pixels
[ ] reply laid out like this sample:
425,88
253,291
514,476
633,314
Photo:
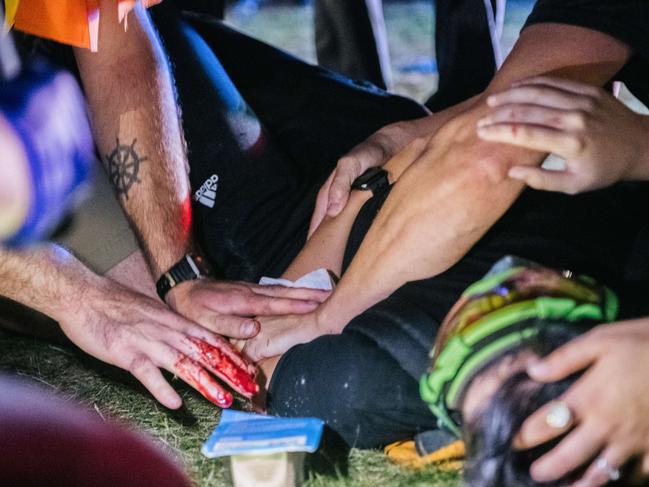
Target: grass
111,392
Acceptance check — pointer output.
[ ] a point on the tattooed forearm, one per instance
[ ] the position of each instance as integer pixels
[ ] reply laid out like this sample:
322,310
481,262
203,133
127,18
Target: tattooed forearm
123,167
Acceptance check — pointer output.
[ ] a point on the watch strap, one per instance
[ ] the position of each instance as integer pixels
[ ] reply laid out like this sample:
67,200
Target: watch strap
372,180
189,268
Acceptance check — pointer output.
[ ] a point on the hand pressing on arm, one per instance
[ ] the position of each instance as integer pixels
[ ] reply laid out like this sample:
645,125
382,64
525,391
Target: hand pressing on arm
454,185
457,187
376,151
125,328
222,306
609,404
137,130
325,249
602,140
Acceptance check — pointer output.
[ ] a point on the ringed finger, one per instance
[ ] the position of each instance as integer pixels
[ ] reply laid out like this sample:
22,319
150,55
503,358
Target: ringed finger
227,325
577,448
606,467
536,429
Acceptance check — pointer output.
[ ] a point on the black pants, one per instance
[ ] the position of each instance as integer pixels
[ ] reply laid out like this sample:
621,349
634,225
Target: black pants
271,128
464,50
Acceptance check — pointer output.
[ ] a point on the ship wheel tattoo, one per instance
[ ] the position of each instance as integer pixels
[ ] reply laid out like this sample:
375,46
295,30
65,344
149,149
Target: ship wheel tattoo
123,166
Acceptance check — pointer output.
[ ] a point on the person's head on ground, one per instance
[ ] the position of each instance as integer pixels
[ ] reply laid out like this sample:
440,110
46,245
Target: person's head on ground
478,386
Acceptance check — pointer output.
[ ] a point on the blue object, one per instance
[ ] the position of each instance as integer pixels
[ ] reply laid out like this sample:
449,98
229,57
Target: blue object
423,66
241,433
46,109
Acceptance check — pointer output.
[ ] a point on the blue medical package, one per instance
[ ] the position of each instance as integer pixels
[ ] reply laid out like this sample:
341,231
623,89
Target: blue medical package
240,433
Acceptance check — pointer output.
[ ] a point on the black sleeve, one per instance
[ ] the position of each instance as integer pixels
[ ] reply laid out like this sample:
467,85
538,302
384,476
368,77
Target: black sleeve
625,20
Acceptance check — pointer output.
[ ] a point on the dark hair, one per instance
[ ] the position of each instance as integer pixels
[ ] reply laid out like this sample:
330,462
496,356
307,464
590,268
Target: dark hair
491,459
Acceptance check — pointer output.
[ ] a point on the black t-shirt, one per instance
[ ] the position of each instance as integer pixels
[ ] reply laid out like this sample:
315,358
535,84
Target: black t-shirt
626,20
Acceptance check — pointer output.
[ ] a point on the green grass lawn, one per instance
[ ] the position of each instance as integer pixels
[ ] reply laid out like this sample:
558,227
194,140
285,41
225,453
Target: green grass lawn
110,392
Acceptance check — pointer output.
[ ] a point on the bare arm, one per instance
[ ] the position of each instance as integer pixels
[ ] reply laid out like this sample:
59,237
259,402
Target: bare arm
122,327
375,151
326,247
452,194
137,129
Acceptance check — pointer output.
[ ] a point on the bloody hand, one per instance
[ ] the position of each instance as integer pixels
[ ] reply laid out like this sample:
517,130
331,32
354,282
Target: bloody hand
224,362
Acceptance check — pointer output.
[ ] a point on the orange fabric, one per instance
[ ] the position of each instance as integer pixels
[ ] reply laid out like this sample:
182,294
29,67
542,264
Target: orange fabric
447,458
73,22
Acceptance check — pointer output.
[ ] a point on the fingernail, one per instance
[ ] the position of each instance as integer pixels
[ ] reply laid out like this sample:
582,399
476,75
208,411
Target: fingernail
492,100
250,328
537,368
482,122
515,173
538,474
174,402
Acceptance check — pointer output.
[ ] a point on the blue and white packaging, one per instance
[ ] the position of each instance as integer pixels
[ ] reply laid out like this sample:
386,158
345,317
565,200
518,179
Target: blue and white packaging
240,433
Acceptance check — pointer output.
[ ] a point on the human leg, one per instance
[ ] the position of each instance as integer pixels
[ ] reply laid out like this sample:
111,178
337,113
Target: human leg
258,220
314,114
354,386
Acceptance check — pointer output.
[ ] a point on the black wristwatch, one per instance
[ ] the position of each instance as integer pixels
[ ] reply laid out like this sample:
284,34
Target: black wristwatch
372,180
190,267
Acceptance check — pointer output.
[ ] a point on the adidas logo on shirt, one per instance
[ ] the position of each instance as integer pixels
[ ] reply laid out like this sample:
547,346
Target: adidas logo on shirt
206,194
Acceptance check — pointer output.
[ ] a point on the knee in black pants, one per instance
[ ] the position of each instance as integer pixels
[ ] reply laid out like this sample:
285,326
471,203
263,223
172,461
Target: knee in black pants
352,384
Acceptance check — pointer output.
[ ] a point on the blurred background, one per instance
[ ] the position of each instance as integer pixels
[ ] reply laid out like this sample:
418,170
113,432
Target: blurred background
410,25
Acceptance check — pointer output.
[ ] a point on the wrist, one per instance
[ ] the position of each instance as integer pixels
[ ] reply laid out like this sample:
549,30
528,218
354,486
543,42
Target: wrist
330,319
89,294
394,137
191,267
175,297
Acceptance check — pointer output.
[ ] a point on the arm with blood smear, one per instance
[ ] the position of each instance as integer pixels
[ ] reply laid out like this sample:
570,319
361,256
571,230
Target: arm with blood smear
124,328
